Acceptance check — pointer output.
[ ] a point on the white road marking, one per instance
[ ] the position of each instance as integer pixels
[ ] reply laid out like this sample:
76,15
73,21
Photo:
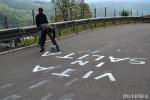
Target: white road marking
118,50
38,84
6,86
96,51
50,54
137,61
55,67
9,51
111,77
47,97
83,56
67,97
67,56
112,59
100,64
84,51
64,73
71,82
99,57
38,68
12,97
80,62
88,74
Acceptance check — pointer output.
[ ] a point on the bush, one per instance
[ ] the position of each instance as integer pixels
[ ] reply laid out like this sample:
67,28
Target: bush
124,13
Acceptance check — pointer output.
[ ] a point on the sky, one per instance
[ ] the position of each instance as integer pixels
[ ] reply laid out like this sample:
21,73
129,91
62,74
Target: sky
86,0
104,0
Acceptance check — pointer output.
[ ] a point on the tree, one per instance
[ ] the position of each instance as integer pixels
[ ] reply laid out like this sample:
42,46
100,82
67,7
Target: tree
71,9
124,13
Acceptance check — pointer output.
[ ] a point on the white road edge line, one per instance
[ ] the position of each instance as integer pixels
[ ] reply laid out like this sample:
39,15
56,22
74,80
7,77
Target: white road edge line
47,97
6,86
71,82
38,84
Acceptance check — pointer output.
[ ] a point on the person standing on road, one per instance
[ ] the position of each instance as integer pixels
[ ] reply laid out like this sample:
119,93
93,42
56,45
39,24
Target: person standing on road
50,30
40,19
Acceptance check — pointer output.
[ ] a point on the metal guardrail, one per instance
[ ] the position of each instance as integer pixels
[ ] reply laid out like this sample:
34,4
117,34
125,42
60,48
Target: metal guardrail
17,33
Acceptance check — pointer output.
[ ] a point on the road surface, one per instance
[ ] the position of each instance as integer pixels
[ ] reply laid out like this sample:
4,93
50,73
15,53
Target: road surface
111,63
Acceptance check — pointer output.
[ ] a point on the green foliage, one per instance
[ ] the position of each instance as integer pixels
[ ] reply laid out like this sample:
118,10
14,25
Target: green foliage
15,17
19,4
71,9
124,13
19,12
85,9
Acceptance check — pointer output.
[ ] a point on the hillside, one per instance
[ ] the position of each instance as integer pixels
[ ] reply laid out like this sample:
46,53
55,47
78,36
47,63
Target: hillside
19,12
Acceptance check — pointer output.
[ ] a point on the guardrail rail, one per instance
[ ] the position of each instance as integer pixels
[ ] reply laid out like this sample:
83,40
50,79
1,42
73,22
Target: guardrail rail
21,32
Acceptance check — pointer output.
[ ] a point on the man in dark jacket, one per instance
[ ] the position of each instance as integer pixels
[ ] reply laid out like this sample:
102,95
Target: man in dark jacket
40,19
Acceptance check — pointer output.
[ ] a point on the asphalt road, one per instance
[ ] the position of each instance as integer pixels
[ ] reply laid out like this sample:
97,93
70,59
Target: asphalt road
111,63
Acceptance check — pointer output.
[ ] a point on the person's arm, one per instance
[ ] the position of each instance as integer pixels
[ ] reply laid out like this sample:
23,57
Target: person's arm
46,21
37,21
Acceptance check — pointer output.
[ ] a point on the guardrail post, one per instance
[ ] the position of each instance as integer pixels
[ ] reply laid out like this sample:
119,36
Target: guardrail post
114,12
105,16
142,14
104,22
105,11
15,43
59,32
124,20
73,26
91,26
6,22
33,16
134,20
137,14
84,25
131,13
113,20
119,21
76,27
22,32
55,14
95,15
143,20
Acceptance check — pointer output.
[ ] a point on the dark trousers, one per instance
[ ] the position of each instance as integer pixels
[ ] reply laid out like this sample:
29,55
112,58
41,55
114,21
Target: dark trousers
39,36
45,29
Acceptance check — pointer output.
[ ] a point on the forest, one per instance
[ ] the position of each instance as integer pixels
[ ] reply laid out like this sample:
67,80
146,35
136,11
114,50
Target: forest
18,13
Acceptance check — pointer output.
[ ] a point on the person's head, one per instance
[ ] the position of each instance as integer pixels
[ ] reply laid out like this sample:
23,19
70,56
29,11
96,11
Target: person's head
40,10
